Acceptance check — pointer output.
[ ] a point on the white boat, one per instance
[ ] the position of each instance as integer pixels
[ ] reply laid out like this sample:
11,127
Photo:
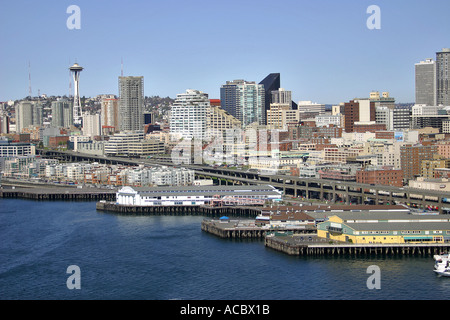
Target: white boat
442,265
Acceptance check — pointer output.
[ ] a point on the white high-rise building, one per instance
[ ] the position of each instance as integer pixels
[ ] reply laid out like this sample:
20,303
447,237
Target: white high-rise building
92,124
188,115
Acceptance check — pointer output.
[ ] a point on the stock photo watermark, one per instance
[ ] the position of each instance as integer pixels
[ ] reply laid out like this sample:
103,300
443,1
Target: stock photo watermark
374,20
374,281
74,20
74,280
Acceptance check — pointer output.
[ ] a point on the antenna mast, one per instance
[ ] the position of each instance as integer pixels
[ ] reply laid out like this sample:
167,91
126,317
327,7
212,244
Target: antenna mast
29,79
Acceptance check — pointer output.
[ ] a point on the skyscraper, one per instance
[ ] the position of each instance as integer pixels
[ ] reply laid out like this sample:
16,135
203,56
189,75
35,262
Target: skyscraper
131,103
4,124
426,82
92,124
270,83
28,113
110,114
188,115
281,102
443,77
282,96
62,113
245,100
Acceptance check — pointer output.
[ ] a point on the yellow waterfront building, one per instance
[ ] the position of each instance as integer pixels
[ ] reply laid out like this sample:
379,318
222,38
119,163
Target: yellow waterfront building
385,228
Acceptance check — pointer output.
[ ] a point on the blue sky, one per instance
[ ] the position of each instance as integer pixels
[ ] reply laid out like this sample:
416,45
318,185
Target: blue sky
322,48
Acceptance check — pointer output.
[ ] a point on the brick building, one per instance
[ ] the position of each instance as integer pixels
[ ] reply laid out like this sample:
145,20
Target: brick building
381,176
411,157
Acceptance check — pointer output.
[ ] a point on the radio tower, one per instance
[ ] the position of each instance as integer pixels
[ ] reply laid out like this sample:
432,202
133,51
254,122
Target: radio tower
29,79
77,115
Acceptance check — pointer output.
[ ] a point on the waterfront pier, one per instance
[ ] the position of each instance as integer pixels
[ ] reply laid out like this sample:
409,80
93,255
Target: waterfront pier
245,229
293,245
61,193
195,210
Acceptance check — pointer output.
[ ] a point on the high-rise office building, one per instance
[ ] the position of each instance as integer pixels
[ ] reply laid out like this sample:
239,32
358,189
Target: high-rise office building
281,102
188,115
110,114
426,82
282,96
443,77
4,124
62,113
244,100
92,124
271,83
398,118
131,103
28,113
24,115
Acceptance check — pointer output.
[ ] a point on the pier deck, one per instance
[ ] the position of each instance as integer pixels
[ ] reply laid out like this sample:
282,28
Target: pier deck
58,193
197,210
292,245
244,229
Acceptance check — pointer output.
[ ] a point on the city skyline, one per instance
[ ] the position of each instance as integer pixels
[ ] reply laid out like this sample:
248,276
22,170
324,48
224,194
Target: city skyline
323,50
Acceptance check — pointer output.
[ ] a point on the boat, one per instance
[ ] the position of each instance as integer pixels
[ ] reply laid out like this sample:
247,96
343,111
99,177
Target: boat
442,265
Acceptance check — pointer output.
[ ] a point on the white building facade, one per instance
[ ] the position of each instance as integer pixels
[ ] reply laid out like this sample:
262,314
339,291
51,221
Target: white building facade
188,115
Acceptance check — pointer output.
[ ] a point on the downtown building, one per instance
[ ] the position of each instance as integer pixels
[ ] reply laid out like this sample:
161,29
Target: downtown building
270,84
358,112
28,113
443,77
92,124
131,103
189,115
423,116
432,80
280,108
4,124
244,100
397,118
109,115
62,113
426,82
411,157
132,143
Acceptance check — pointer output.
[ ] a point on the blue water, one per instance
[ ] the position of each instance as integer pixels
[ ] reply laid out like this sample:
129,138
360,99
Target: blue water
169,257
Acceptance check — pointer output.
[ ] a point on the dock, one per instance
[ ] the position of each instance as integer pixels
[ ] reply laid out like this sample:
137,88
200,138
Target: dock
245,229
179,210
313,246
58,193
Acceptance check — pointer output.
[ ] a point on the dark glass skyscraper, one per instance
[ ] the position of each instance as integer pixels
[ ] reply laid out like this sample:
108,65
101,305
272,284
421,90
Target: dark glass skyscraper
271,83
229,100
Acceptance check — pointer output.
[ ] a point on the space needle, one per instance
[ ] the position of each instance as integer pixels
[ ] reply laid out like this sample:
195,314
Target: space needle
77,115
